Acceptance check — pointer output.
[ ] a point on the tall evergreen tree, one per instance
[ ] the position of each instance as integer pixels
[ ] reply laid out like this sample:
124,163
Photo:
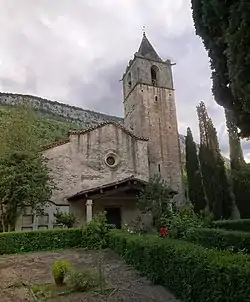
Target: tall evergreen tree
224,29
217,187
196,191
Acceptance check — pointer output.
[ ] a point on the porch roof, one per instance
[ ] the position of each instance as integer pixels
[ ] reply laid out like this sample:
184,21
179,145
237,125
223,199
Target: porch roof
129,183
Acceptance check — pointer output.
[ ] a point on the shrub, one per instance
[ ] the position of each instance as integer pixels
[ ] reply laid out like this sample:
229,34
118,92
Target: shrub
220,239
234,225
95,234
21,242
183,219
66,219
192,272
60,269
82,281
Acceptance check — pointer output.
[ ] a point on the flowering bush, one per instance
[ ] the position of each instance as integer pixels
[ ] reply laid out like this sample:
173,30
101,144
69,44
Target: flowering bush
182,220
163,232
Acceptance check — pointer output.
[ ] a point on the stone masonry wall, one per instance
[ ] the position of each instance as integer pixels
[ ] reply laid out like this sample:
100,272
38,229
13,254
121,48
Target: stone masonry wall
80,164
150,111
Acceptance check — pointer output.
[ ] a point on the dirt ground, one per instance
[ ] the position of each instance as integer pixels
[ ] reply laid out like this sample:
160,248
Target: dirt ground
35,268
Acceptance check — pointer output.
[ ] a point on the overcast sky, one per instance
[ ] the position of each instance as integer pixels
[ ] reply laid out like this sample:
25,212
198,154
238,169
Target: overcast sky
75,51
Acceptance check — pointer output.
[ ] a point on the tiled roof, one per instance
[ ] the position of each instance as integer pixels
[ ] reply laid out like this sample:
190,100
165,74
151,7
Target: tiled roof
120,126
83,131
55,144
110,185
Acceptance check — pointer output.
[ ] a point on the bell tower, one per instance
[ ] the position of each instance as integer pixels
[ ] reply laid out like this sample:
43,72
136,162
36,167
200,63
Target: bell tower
149,106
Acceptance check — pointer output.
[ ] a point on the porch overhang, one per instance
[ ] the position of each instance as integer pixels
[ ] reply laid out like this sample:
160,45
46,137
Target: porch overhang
126,184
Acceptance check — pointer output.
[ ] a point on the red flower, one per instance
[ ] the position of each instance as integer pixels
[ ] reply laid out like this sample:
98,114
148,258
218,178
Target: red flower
163,232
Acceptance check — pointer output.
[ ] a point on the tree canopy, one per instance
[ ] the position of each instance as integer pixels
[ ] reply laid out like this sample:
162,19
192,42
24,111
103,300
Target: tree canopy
24,176
224,29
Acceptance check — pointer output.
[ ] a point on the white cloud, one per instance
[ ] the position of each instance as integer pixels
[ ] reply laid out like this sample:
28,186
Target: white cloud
76,51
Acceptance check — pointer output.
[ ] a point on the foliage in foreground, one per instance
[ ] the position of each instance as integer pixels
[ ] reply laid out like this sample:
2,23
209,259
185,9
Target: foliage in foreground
234,241
92,236
43,240
191,272
68,280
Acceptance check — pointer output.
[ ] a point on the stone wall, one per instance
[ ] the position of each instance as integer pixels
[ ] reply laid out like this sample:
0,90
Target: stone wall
31,222
81,163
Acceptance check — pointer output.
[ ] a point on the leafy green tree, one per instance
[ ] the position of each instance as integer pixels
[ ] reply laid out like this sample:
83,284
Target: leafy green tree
156,198
218,189
196,191
223,28
66,219
24,176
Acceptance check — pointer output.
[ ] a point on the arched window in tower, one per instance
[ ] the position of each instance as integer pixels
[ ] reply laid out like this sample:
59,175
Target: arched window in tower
154,75
129,80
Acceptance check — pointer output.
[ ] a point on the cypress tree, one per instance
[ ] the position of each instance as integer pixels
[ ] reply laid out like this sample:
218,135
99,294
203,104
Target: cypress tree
196,191
217,187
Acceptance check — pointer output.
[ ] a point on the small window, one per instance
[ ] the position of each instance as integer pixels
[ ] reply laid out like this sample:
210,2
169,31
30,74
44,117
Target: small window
25,229
129,80
42,227
43,219
156,98
27,219
110,160
154,75
159,168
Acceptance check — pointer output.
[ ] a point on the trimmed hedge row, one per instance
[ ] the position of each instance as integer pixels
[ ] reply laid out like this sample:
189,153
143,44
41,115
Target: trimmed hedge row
191,272
234,225
21,242
221,239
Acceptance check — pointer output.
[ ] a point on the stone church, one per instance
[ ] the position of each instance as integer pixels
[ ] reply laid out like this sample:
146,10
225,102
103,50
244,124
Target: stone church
103,167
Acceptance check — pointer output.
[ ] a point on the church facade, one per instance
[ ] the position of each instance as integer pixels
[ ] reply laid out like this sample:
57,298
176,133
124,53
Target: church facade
103,167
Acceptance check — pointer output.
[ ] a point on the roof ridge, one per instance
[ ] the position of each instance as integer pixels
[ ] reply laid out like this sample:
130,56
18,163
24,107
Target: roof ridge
55,144
99,125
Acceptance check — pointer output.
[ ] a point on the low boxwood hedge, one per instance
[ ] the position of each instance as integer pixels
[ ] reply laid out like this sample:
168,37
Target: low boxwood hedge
191,272
220,239
21,242
234,225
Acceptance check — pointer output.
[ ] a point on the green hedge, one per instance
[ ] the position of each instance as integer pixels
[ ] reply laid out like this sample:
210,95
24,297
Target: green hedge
234,225
220,239
191,272
21,242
